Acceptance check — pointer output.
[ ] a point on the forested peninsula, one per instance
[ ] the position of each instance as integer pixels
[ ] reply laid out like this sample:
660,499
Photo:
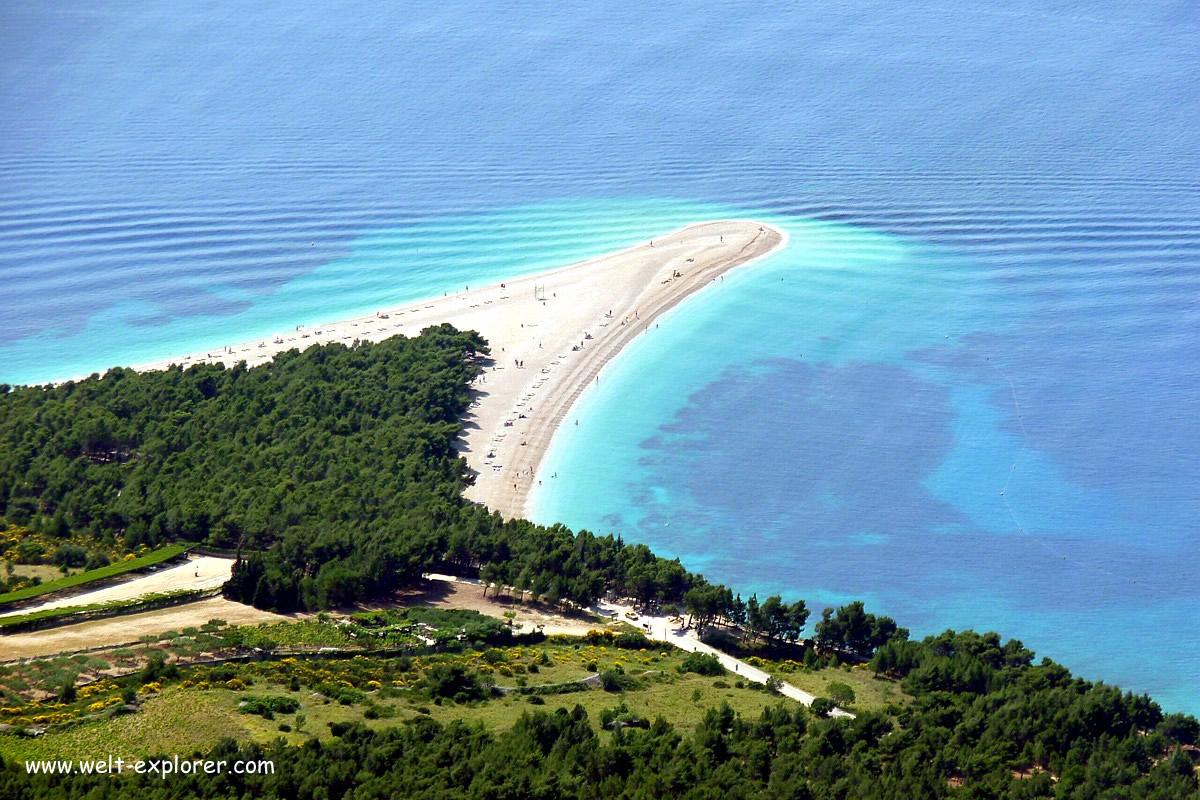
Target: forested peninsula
333,474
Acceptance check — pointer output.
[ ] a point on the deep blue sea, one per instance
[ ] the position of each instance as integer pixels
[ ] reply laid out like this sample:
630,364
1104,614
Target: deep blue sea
967,392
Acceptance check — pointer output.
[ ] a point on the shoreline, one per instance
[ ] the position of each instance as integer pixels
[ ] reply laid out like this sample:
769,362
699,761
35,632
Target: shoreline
551,335
659,304
602,305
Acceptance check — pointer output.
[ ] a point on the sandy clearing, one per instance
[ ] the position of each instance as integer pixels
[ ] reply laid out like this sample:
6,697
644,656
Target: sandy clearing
117,631
458,593
203,572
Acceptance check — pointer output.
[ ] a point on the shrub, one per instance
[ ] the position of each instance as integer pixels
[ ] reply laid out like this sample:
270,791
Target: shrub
156,669
631,640
612,680
96,560
346,695
268,707
840,693
555,688
702,664
30,552
622,717
223,673
535,700
822,706
452,680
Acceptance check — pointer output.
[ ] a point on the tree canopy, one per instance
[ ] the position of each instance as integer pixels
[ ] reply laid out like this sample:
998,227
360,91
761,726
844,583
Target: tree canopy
1026,732
334,469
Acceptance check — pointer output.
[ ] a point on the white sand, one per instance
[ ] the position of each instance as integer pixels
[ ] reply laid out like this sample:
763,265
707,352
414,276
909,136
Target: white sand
537,320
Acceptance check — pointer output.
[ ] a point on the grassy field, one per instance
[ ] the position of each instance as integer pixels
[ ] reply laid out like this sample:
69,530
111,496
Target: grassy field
78,579
183,718
47,572
871,693
176,721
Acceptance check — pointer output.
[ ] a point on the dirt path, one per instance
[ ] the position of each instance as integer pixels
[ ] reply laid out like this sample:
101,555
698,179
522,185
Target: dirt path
663,629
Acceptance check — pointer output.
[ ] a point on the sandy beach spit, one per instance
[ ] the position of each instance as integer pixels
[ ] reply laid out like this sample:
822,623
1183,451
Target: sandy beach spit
551,334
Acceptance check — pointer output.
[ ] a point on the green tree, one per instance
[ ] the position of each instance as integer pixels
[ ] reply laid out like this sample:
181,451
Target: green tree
840,693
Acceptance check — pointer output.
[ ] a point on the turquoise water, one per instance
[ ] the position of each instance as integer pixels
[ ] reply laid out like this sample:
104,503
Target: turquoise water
382,267
991,285
831,425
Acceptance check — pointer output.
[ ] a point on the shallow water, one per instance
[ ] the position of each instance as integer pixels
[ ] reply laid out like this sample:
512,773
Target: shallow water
995,221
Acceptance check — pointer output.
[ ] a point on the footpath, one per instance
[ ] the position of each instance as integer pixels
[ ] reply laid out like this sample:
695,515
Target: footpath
663,630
